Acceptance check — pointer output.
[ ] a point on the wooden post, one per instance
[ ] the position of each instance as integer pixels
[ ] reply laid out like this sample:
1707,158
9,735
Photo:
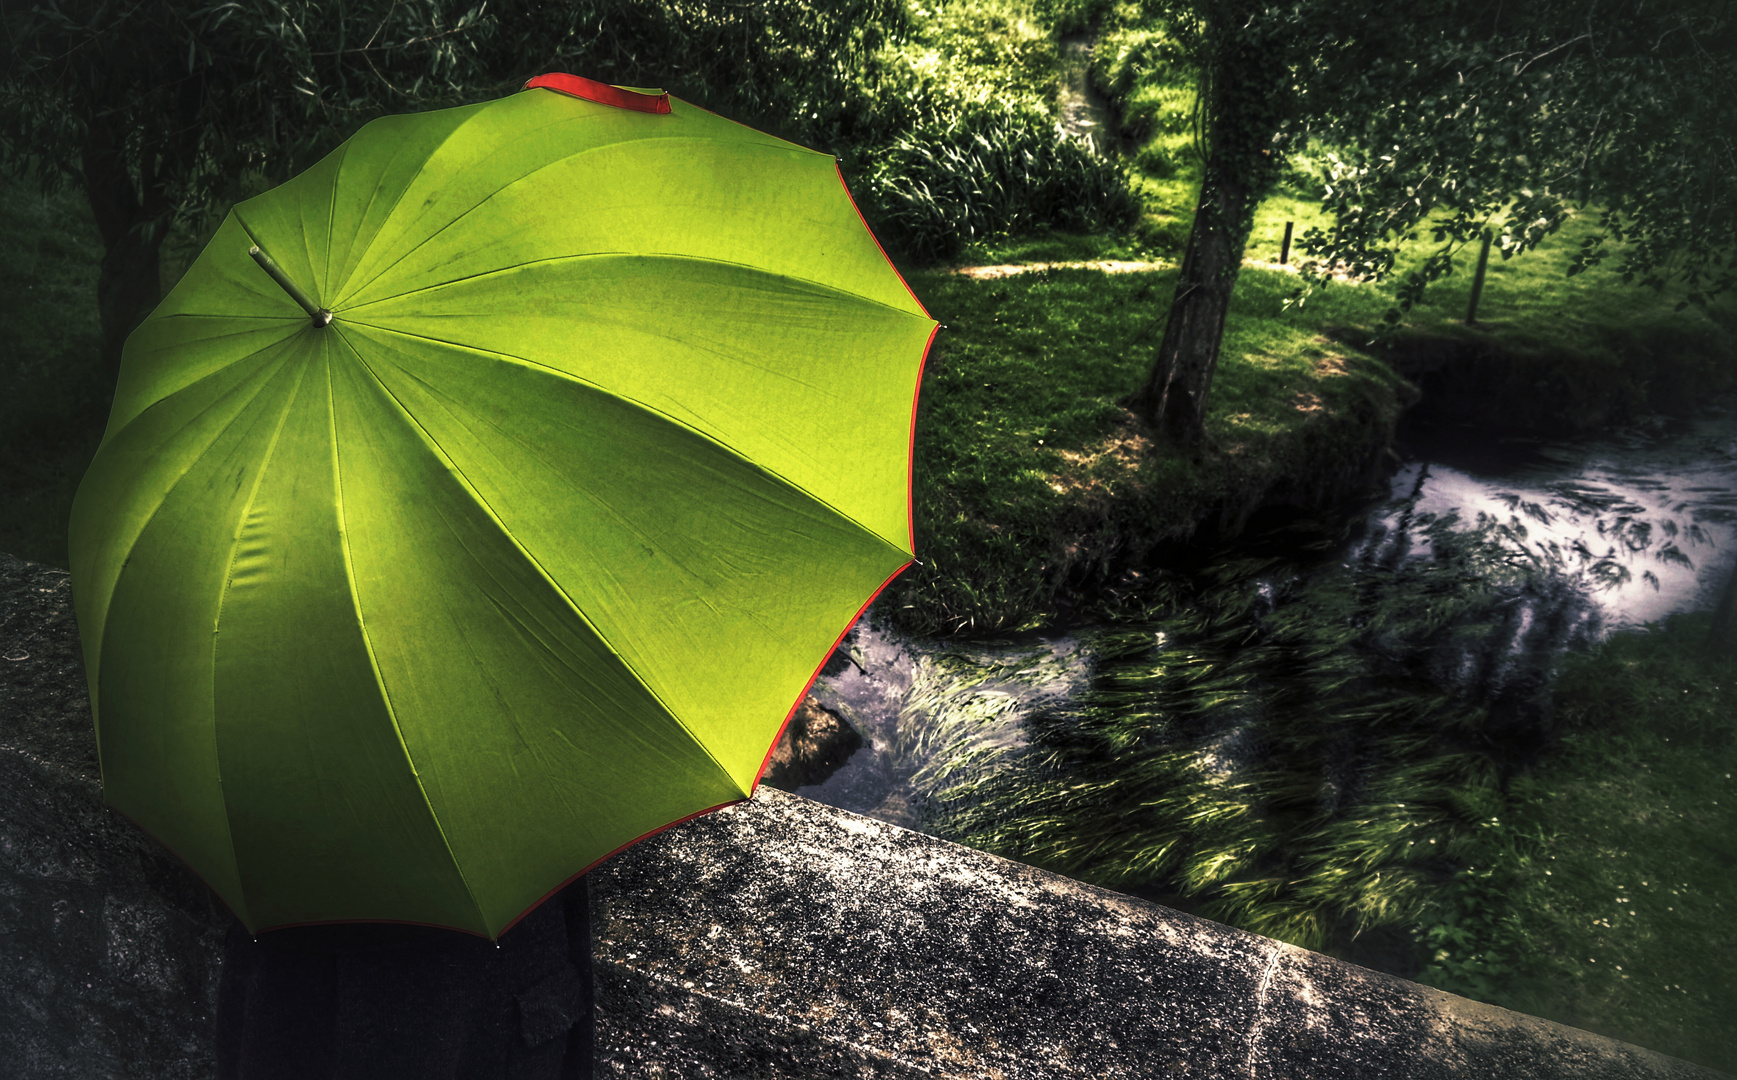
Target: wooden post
1285,251
1478,280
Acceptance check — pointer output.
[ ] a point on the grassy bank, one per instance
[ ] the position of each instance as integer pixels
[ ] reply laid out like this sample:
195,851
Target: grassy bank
1601,893
1034,486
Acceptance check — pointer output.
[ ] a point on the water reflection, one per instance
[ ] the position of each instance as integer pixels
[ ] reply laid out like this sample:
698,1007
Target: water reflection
1648,513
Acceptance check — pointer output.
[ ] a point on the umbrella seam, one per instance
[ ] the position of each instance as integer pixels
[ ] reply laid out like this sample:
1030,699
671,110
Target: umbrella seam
332,218
132,545
399,199
217,624
373,660
483,503
227,315
661,139
677,421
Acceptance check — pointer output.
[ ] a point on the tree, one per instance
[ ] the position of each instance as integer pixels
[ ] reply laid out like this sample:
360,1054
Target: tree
1456,115
157,109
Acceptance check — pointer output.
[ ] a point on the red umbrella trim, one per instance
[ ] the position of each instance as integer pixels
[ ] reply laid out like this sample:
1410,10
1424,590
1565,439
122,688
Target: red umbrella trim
591,90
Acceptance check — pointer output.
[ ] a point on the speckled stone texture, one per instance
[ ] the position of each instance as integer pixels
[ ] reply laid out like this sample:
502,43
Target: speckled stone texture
110,948
886,953
775,939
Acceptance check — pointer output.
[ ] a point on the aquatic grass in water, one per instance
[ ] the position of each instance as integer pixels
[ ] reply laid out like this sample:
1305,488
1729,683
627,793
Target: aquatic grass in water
1301,757
933,713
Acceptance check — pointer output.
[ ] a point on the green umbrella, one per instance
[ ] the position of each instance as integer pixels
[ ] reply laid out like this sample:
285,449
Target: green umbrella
525,544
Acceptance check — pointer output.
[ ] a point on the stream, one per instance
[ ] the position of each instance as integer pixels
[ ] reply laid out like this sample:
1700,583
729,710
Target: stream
1084,112
1639,523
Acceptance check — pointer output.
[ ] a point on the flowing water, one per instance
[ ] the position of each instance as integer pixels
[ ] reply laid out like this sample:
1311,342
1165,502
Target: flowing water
1636,524
1648,512
1084,112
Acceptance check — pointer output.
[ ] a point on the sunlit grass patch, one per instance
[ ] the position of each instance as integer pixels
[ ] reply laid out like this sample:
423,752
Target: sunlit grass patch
1032,479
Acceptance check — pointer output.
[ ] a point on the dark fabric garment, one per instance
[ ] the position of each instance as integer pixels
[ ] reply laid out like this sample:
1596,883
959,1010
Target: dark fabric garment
386,1001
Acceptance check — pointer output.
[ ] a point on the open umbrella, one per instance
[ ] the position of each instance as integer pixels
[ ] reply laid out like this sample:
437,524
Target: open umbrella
484,498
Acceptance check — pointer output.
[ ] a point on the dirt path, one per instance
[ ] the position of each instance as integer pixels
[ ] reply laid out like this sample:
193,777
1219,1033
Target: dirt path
1108,266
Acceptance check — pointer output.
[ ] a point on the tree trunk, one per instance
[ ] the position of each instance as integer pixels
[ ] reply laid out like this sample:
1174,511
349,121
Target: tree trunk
1173,399
1722,640
129,283
1245,92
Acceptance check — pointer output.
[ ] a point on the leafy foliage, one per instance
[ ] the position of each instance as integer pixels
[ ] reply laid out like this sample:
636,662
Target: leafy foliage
1622,111
1446,120
204,91
949,183
968,147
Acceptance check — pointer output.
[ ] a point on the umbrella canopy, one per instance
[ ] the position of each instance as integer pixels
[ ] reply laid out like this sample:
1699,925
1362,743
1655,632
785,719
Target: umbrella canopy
526,544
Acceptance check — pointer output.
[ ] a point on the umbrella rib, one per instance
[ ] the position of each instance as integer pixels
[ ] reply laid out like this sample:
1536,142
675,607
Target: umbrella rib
292,325
332,218
477,497
102,632
155,510
368,641
758,271
648,407
398,150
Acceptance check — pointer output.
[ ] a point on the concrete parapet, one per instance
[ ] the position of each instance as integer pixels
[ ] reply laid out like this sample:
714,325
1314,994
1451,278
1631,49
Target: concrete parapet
784,938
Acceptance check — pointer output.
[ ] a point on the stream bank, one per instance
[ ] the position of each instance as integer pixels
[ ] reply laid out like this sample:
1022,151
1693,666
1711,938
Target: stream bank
1427,390
1471,377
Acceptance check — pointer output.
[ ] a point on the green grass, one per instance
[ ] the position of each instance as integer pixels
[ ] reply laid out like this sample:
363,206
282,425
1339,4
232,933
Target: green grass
1602,894
1031,479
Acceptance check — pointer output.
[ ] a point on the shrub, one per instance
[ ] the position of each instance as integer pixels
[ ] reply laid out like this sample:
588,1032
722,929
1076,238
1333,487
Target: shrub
952,181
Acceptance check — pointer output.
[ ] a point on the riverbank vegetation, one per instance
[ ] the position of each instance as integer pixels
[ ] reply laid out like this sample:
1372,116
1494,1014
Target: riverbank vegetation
1040,498
1596,894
